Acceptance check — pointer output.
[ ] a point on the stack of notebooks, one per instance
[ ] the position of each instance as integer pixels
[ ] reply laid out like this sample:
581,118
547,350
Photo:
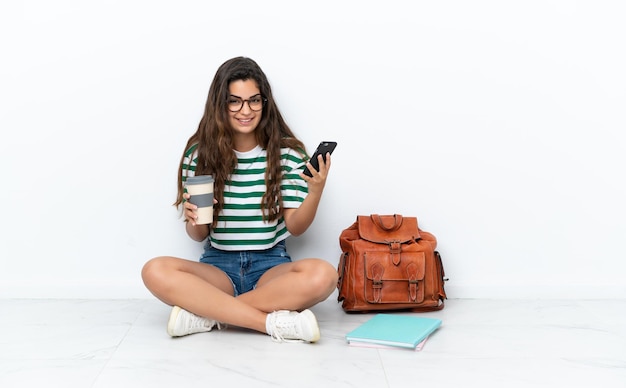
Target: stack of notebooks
393,331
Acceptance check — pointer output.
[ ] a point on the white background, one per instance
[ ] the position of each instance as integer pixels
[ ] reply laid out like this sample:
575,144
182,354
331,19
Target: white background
500,125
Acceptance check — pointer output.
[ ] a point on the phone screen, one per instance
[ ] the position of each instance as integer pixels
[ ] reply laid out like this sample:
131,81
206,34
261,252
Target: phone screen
323,148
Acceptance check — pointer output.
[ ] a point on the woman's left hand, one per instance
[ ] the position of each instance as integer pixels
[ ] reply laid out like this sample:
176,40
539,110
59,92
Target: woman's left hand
318,179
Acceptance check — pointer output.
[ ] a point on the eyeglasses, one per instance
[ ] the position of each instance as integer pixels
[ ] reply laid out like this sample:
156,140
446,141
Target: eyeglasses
256,102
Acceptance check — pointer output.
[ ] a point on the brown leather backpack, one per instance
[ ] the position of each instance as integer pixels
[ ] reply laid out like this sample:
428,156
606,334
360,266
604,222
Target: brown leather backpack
388,263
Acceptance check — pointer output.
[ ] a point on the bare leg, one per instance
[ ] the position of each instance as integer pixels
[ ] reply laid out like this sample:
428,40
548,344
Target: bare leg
201,289
293,286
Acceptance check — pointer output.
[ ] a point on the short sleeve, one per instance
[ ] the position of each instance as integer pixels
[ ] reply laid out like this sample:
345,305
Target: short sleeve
293,188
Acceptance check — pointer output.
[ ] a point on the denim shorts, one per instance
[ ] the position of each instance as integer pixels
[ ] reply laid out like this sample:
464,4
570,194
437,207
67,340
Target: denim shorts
245,268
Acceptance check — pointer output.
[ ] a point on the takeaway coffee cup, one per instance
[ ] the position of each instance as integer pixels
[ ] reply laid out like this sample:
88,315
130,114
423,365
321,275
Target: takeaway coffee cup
201,190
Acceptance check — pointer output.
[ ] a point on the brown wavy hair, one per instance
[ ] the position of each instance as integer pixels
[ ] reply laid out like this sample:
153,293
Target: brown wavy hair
214,137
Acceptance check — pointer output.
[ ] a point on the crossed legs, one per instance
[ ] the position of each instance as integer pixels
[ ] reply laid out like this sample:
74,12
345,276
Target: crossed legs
207,291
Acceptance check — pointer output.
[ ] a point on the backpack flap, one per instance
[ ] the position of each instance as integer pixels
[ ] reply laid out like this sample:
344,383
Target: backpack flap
385,229
394,283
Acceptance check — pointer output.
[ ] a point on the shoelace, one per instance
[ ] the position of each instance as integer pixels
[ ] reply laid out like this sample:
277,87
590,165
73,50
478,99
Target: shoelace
282,327
196,321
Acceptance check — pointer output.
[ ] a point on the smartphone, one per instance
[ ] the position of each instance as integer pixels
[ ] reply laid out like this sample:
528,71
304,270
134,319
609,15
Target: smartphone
322,149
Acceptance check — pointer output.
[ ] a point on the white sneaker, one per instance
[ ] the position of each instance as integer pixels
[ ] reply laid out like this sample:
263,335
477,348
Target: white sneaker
290,326
182,322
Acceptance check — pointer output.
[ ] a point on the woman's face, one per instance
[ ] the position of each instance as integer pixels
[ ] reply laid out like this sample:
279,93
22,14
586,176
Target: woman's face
245,105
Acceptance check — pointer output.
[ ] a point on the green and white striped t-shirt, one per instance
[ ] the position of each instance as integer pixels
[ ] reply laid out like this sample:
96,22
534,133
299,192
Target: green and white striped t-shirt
240,224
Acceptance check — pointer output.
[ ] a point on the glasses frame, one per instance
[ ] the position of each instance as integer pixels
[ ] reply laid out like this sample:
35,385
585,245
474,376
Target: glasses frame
263,102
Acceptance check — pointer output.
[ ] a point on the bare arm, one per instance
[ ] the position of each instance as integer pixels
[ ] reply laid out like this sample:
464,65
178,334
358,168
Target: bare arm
298,220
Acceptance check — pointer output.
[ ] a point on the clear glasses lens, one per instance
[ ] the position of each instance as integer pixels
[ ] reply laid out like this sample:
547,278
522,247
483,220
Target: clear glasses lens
255,103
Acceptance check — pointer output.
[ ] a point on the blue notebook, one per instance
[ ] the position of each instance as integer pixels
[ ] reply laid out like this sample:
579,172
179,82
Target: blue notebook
405,331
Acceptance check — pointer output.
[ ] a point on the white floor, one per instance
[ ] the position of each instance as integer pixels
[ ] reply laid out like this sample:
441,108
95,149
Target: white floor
122,343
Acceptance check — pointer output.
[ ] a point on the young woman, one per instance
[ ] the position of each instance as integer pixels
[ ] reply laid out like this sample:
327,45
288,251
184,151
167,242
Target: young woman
245,277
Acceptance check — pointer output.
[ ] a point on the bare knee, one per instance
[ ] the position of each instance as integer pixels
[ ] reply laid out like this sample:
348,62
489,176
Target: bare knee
154,272
323,278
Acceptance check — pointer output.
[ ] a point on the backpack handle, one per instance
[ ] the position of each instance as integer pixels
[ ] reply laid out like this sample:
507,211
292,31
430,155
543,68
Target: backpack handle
387,223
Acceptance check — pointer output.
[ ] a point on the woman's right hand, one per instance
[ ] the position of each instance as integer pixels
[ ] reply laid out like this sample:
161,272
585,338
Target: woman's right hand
195,231
189,210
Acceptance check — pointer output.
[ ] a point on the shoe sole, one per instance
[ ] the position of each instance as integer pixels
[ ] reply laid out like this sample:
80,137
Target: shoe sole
311,318
171,322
